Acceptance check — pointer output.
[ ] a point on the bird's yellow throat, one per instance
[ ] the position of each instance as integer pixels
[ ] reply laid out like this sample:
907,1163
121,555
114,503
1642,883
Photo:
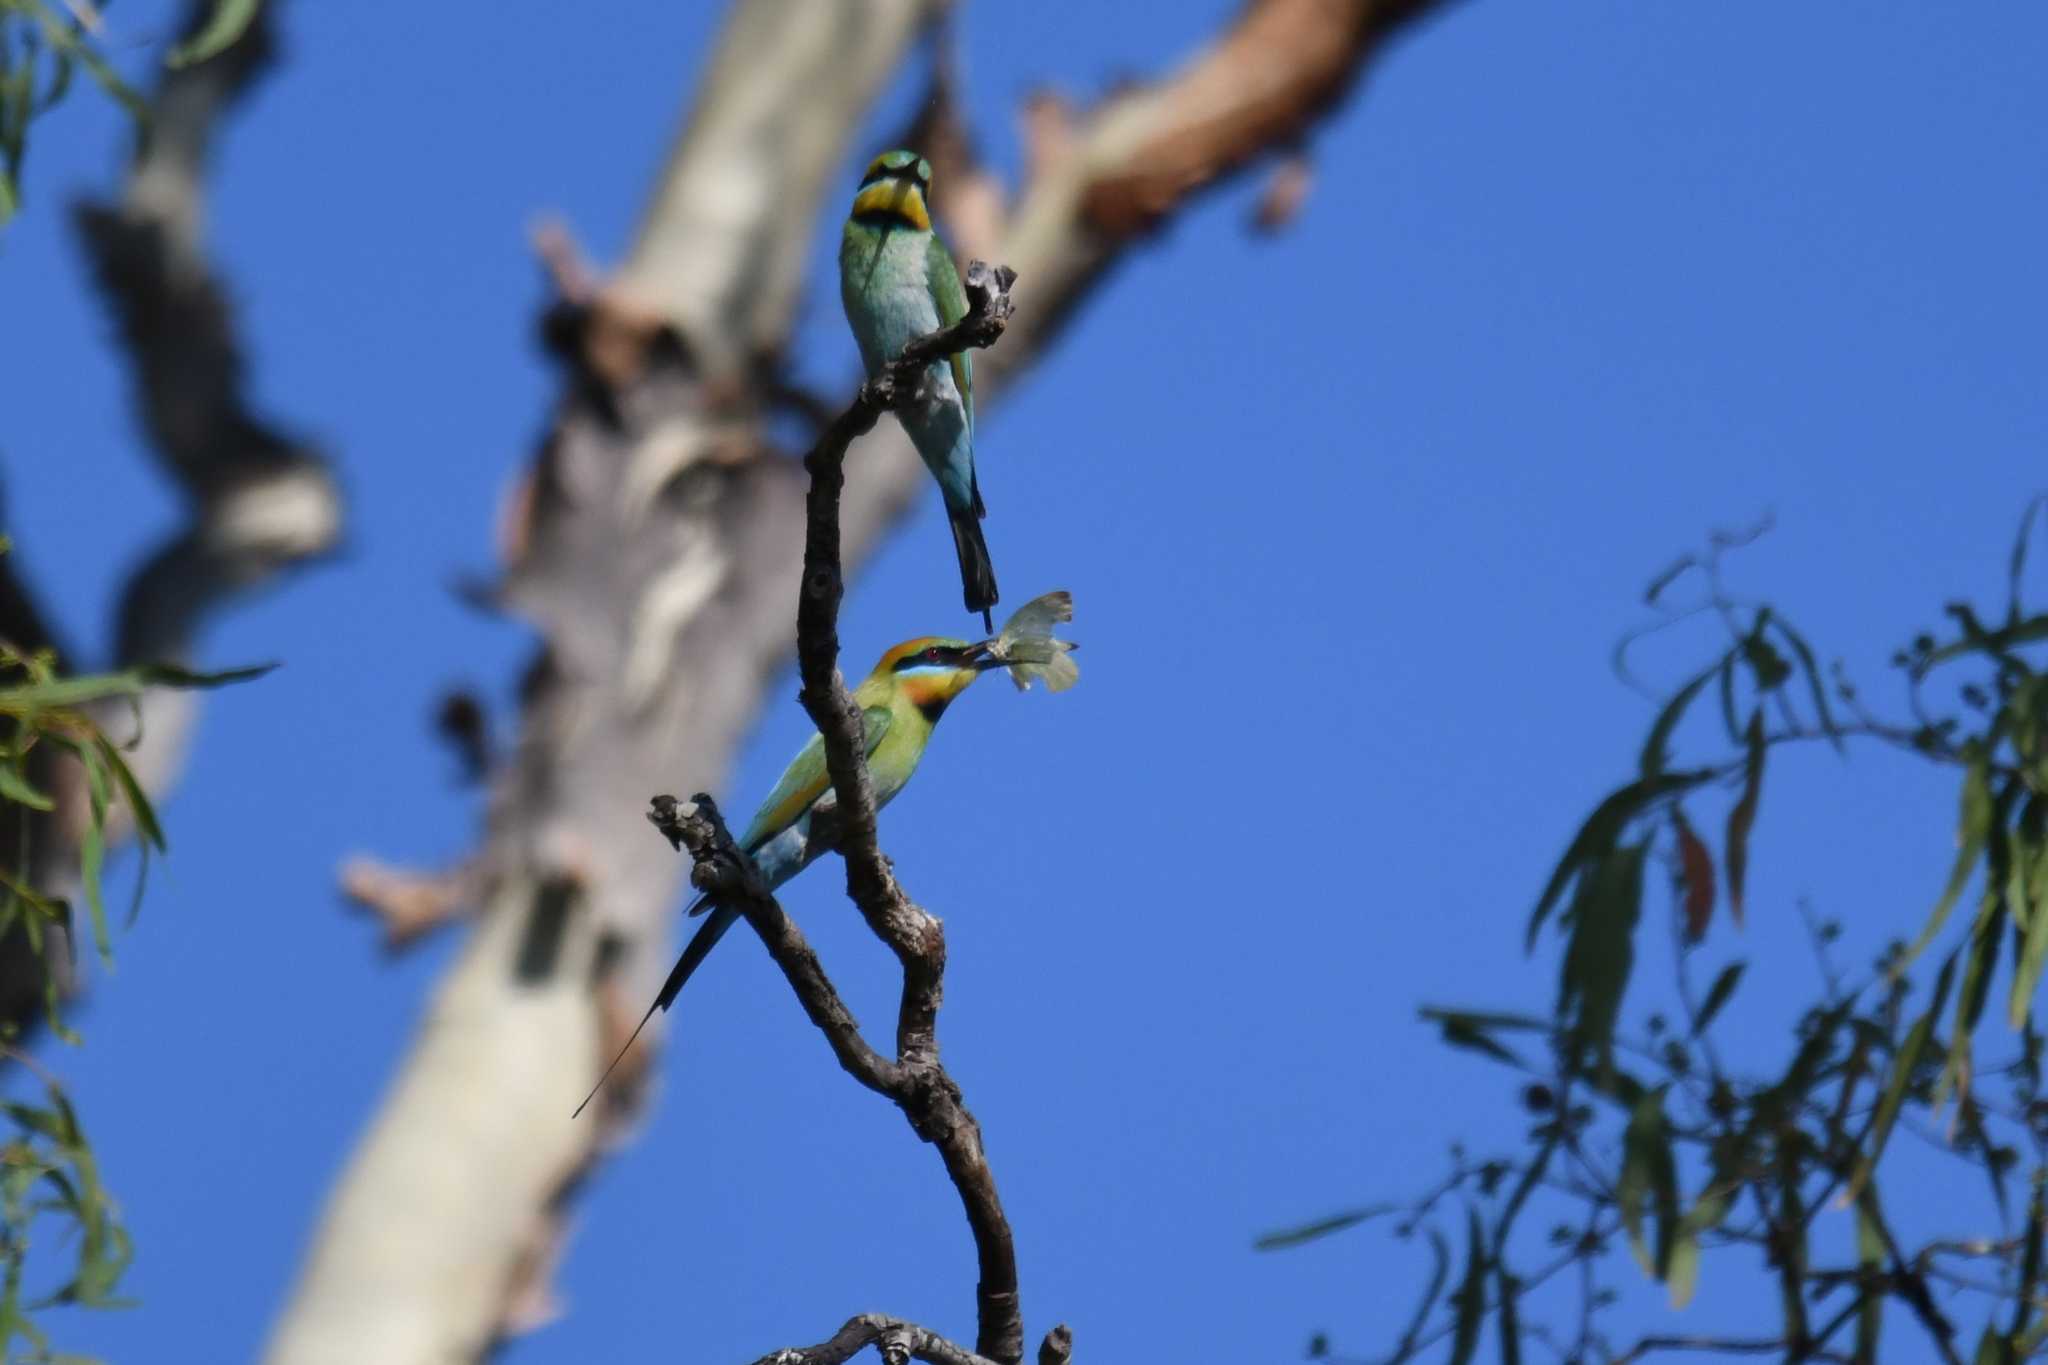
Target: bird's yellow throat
896,199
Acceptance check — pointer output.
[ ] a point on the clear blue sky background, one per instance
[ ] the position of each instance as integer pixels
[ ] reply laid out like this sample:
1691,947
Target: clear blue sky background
1352,519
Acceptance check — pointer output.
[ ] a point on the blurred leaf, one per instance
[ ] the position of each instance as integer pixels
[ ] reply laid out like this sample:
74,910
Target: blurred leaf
1717,995
1683,1277
2030,852
92,851
229,20
1322,1227
1815,682
1696,867
1489,1019
1439,1275
1870,1259
1992,1349
138,803
1974,829
16,788
2024,1301
1744,814
1970,1118
72,45
1471,1296
1602,830
1667,721
2018,564
1467,1030
172,675
1601,953
1986,932
128,682
1895,1089
1648,1173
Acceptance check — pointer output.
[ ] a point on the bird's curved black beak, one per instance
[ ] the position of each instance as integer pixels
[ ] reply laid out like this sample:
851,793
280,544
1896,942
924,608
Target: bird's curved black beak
981,656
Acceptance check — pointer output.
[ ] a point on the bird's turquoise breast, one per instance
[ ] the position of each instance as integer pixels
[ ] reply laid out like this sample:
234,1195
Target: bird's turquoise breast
883,284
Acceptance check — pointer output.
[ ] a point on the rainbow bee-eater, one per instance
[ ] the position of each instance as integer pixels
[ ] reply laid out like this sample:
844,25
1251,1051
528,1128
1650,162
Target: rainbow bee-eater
900,704
898,283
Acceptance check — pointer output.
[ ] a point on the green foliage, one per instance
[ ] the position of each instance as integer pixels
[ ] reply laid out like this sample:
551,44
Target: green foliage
49,1183
50,1191
1641,1137
229,20
45,43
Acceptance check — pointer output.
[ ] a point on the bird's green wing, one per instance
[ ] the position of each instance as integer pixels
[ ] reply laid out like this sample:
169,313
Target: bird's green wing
804,781
951,297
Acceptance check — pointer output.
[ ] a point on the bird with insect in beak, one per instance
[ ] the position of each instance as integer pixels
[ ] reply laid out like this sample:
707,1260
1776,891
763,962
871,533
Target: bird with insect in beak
900,705
899,283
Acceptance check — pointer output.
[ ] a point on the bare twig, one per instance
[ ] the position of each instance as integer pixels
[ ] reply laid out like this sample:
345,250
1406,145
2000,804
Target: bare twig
409,904
1755,1346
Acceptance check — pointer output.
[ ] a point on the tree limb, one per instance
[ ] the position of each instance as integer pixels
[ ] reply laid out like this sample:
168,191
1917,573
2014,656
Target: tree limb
260,501
916,1081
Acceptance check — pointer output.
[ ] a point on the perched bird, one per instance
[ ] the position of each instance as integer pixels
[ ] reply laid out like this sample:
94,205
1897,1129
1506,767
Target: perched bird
900,703
898,283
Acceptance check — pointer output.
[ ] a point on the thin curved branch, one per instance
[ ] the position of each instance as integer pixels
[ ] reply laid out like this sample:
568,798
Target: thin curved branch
929,1098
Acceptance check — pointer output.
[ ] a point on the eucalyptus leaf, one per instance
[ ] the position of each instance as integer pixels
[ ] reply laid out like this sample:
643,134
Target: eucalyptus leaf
1743,815
1470,1300
1973,832
1718,995
15,787
229,21
1320,1228
1895,1088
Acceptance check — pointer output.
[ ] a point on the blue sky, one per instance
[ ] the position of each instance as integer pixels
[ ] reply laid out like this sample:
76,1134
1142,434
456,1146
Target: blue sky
1352,519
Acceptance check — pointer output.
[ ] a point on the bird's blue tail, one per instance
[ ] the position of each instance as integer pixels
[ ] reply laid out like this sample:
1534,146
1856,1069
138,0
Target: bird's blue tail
977,573
777,860
700,946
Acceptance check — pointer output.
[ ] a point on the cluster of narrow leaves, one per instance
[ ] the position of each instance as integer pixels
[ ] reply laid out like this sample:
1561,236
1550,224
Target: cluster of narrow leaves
1643,1139
50,1191
49,1180
45,44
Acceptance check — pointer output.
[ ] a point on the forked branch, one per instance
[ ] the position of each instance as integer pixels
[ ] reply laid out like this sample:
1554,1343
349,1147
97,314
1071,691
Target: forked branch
915,1080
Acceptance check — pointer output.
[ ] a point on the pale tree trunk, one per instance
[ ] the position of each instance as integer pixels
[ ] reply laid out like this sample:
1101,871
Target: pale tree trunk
655,548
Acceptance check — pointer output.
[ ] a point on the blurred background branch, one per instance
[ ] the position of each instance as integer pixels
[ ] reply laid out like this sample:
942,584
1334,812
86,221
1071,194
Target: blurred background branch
259,501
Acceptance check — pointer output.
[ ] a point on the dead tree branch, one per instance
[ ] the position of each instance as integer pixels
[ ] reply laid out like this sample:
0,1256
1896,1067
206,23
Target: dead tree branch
916,1081
897,1342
